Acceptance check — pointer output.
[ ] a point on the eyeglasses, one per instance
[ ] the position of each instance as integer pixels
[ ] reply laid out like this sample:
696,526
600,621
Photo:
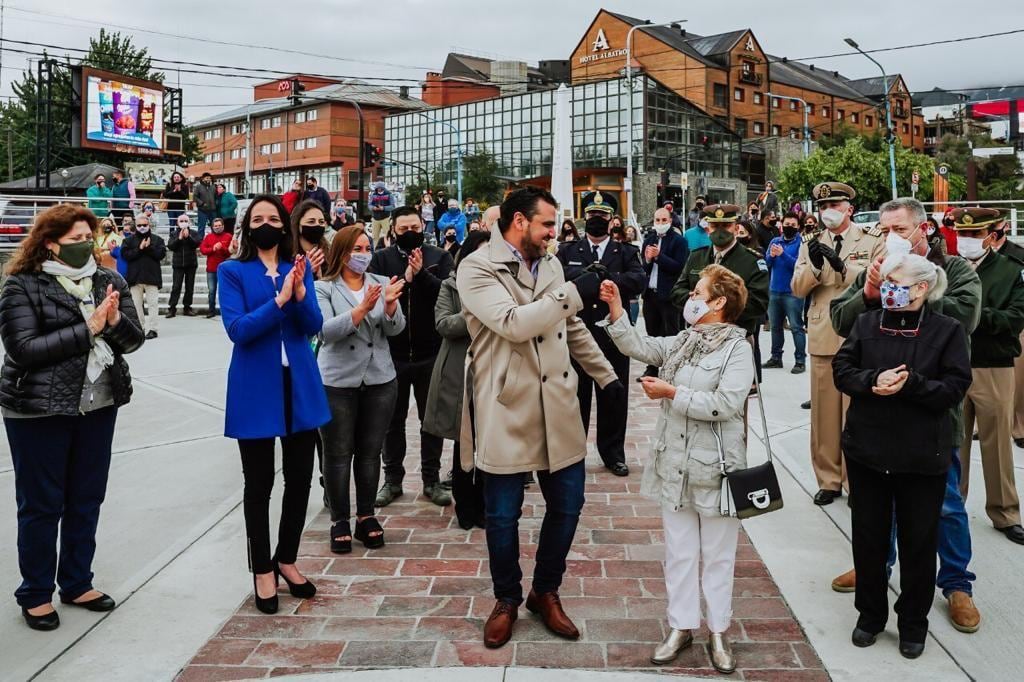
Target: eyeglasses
905,333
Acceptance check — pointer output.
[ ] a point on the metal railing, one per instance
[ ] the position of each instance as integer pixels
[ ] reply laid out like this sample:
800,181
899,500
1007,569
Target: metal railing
1015,208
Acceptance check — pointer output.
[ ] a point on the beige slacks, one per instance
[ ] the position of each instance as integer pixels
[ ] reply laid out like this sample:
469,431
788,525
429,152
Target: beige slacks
152,299
380,228
987,403
828,414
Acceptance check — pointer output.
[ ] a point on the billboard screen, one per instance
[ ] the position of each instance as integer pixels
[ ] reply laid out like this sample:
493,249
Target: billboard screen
151,177
122,114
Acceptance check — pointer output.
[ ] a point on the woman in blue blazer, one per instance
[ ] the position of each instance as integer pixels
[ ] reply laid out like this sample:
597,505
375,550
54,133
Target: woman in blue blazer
269,310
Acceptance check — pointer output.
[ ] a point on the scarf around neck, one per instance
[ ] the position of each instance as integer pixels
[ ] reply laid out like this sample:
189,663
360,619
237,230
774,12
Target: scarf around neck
78,283
695,343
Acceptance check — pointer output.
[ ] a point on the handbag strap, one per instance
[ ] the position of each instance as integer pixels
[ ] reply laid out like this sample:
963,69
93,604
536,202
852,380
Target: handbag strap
760,404
714,431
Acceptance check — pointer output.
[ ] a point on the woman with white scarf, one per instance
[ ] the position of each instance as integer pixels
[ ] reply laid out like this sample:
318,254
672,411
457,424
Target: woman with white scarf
65,324
705,375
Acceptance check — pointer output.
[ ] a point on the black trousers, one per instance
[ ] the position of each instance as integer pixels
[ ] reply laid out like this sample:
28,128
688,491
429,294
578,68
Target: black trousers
661,318
258,473
611,410
413,377
179,276
467,492
917,500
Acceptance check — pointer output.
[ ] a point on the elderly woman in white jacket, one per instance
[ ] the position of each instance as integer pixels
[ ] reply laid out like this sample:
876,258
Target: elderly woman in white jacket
705,375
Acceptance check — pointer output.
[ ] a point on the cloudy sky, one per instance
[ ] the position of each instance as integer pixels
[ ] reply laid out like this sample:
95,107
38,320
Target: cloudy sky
401,39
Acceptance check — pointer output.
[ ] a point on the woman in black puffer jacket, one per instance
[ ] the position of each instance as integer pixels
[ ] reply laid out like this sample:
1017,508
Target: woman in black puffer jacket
65,325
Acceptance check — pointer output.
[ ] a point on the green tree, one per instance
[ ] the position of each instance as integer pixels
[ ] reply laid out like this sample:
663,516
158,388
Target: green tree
866,171
480,178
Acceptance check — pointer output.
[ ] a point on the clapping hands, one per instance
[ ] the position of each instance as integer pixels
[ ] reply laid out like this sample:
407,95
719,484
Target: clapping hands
107,313
891,381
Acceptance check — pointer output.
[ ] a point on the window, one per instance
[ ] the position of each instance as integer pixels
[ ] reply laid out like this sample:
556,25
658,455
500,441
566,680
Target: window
825,111
792,105
216,156
775,103
310,142
207,158
794,133
264,149
300,145
757,98
353,180
810,110
854,118
738,94
720,95
264,124
275,148
906,129
216,133
741,127
840,114
208,135
917,131
236,153
758,128
237,128
776,131
311,115
300,116
868,121
276,122
748,67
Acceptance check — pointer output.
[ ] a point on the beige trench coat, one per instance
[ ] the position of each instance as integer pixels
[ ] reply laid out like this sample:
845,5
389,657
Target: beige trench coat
520,409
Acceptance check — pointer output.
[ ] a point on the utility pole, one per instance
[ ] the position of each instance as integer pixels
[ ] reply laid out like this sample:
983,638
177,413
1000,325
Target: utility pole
888,113
10,154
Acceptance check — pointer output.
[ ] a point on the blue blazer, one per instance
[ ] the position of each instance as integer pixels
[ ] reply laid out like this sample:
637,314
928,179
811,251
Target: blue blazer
257,327
671,260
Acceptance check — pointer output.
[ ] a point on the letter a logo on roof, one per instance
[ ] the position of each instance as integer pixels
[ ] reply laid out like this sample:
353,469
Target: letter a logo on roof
601,42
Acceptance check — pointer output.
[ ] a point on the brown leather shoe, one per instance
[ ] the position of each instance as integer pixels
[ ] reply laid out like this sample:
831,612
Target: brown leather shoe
549,607
498,628
847,582
963,613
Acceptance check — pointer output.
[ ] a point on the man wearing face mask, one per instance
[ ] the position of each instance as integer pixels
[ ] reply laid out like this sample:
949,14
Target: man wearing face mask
767,230
828,263
318,194
619,262
182,244
204,196
144,251
693,217
1014,251
664,255
381,206
697,236
994,346
902,221
782,304
729,253
423,267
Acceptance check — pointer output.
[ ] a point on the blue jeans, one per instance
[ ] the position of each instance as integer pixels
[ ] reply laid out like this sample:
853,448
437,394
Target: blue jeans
954,538
211,285
205,218
503,503
780,308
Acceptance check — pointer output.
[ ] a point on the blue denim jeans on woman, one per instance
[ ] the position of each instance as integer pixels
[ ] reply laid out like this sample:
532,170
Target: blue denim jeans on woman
503,502
780,308
954,538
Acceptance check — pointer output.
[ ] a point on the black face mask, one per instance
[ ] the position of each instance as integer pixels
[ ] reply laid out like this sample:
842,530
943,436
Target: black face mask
597,226
108,229
409,241
789,232
449,238
948,222
312,233
310,187
266,236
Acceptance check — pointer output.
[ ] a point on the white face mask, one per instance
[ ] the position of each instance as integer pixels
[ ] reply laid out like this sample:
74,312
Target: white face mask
896,245
662,228
694,310
833,217
970,248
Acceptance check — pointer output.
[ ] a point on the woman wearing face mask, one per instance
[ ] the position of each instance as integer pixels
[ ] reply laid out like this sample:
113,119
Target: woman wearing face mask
269,310
175,195
360,312
705,375
809,223
309,222
451,244
183,243
66,325
568,233
339,216
633,237
903,366
149,210
107,239
948,230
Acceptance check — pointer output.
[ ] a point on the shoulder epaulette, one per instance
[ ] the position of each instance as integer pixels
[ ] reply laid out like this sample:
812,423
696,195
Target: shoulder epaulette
874,231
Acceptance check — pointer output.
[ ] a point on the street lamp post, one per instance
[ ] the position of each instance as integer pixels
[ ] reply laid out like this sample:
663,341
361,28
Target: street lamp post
458,149
807,129
630,216
888,114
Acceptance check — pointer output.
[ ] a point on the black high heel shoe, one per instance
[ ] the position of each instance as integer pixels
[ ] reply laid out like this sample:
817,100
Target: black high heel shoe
45,622
267,605
304,590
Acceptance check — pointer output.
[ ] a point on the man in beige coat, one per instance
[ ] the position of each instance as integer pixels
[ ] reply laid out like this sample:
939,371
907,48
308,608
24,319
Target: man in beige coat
521,413
827,265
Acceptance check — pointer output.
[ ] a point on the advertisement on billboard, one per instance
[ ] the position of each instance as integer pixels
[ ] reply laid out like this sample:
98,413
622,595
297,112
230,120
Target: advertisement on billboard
150,177
122,114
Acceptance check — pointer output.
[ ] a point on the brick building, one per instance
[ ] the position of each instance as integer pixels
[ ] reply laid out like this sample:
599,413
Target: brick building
273,142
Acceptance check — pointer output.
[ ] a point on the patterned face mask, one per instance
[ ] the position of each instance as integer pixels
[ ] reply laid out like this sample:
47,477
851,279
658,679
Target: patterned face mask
894,296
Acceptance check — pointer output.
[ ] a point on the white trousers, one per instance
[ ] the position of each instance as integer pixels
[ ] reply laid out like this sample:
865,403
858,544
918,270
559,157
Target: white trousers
689,538
152,293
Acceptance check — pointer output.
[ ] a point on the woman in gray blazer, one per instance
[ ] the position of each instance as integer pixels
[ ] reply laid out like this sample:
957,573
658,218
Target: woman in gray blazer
360,311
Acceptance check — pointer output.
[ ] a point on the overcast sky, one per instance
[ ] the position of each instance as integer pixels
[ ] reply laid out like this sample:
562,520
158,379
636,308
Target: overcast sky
404,38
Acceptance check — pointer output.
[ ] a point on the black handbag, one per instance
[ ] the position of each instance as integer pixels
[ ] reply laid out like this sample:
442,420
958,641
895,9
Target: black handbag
755,490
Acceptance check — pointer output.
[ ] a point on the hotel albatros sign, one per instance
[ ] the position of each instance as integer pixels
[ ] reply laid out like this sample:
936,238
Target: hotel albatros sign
601,49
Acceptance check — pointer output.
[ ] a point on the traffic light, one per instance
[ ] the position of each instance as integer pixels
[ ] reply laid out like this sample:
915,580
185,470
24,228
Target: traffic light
705,141
297,88
371,154
890,135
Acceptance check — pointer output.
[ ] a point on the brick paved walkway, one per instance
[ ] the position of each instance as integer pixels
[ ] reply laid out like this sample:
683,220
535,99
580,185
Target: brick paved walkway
421,601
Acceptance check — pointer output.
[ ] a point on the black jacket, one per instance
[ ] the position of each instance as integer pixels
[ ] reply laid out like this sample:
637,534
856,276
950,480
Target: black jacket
47,343
420,340
144,264
624,268
671,259
910,431
183,251
996,340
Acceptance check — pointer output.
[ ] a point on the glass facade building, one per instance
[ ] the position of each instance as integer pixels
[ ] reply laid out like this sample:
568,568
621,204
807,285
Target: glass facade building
517,130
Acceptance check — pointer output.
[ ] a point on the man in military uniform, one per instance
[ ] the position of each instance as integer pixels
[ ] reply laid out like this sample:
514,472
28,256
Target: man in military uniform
828,263
620,263
994,346
1014,251
729,253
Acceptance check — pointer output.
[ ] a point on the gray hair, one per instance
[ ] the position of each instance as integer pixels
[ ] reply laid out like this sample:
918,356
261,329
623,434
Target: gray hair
919,269
913,206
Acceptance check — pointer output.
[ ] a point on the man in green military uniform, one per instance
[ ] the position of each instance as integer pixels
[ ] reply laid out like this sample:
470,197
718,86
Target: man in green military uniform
1014,251
994,346
727,252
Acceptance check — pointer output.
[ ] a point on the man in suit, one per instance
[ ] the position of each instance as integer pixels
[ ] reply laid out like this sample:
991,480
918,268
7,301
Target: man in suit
620,263
827,265
664,254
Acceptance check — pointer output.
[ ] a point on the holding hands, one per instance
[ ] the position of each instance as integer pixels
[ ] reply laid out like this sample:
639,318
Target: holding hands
891,381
